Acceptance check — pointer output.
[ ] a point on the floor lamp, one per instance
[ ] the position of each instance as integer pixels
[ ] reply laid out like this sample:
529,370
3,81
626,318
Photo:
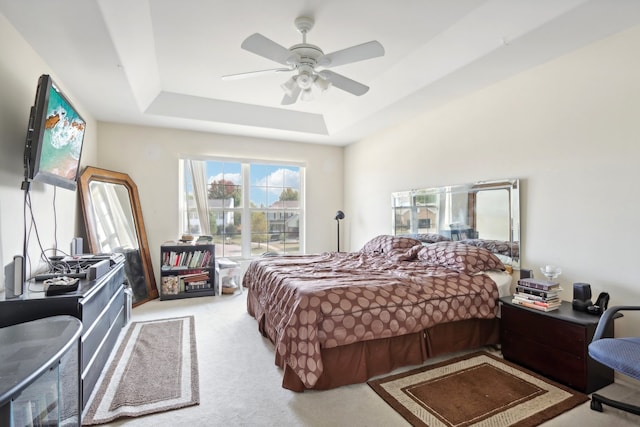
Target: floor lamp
339,216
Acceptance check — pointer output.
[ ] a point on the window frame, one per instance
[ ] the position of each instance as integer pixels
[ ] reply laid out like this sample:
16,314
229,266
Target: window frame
246,209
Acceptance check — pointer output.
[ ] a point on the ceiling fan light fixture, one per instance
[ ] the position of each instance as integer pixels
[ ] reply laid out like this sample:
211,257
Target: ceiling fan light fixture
305,78
306,95
322,83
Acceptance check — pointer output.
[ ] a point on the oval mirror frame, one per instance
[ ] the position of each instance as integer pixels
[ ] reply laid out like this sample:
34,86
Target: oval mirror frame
91,175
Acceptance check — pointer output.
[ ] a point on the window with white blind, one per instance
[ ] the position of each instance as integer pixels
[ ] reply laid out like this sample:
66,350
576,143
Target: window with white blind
248,207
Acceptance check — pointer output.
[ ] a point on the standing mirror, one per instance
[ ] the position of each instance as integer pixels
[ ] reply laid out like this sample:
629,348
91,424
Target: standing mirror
113,219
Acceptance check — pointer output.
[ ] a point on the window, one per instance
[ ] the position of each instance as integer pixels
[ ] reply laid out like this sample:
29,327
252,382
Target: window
249,208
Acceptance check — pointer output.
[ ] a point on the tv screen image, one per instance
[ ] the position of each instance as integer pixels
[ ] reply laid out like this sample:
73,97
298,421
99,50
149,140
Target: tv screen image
54,141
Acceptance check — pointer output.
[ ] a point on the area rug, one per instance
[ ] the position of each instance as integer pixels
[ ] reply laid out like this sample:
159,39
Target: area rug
155,369
478,389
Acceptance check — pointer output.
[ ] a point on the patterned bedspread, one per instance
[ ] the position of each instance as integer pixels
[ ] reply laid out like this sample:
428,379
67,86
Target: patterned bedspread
310,302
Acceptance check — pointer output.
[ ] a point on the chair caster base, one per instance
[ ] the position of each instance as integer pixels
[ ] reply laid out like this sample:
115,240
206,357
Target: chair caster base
597,401
596,405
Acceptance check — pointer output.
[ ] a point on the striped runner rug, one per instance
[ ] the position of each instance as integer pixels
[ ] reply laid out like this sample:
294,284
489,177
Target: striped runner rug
154,369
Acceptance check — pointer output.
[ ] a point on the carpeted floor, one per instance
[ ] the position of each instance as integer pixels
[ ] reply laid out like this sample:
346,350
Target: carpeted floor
240,384
475,389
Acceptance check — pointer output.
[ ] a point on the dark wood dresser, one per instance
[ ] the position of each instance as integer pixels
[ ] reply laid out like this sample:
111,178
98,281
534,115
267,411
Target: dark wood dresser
554,344
100,305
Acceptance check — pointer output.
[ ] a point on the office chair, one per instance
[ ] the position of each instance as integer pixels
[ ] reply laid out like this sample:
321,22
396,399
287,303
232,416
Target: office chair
620,354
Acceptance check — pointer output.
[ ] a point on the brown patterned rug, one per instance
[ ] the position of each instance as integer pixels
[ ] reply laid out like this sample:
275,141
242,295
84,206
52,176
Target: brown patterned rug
476,388
155,369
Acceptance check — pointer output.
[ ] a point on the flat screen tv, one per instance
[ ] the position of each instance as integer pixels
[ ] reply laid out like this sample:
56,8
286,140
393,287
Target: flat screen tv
54,138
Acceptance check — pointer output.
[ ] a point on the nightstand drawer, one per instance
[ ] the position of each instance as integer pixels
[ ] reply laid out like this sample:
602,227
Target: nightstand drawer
544,330
565,367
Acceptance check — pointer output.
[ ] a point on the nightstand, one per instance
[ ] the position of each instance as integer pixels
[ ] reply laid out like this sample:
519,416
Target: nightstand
554,344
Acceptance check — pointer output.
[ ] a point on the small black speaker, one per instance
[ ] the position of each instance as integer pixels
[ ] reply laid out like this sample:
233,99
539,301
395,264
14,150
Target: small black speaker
581,296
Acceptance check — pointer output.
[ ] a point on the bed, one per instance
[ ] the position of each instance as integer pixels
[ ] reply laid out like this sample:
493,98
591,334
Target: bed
341,318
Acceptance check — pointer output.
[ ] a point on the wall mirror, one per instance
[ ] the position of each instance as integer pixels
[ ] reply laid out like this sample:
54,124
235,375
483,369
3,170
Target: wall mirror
484,213
113,219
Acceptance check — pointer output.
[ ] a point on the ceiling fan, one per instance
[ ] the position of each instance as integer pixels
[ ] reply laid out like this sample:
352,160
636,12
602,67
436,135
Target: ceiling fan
304,59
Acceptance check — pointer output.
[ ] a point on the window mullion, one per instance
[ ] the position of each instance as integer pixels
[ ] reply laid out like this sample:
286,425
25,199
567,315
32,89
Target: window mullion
246,211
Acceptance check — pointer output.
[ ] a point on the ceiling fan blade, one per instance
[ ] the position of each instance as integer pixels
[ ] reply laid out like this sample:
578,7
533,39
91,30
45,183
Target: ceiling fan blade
288,100
254,73
344,83
372,49
267,48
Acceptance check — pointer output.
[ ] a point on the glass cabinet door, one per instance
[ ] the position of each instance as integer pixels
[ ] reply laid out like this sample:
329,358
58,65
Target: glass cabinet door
52,400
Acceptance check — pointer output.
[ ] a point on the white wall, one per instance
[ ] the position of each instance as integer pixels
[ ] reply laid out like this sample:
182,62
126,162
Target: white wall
150,156
569,129
20,68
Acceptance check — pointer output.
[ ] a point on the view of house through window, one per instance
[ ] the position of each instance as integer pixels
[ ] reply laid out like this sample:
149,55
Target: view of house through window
248,208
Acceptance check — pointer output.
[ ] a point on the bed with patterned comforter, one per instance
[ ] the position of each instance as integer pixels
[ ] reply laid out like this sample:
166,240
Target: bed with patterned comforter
394,287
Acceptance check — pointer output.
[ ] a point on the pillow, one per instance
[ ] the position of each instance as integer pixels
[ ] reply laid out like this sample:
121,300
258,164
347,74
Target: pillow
431,238
460,257
385,244
408,255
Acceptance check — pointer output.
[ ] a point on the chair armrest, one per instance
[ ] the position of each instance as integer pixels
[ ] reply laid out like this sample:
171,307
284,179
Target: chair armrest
608,316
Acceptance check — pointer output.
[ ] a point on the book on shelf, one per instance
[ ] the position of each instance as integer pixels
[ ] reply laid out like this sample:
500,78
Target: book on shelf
186,259
197,286
195,277
543,285
193,259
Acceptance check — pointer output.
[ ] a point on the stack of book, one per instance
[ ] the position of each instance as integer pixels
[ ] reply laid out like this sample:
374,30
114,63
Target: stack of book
537,294
204,239
195,281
